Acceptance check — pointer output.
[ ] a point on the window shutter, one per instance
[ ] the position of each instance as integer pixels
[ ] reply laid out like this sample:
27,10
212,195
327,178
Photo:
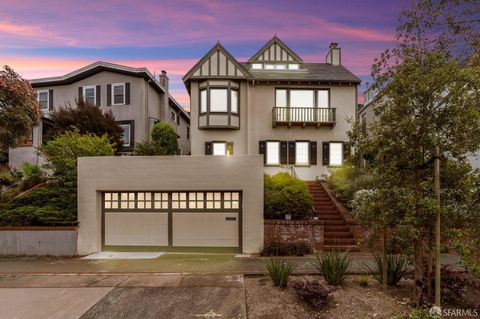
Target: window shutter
208,148
283,152
109,95
313,153
230,148
98,96
80,93
325,153
127,93
50,100
262,145
346,151
178,118
291,153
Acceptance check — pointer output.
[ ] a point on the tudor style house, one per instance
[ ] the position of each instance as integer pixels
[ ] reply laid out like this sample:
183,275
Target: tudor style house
136,98
294,113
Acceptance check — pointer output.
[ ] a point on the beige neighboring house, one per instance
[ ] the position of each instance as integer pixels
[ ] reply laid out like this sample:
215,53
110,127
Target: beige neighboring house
294,113
136,98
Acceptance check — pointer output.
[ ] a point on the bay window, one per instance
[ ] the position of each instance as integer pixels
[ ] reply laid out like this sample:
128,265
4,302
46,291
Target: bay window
216,100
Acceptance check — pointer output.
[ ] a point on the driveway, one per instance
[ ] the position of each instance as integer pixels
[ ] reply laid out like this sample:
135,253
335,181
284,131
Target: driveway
122,296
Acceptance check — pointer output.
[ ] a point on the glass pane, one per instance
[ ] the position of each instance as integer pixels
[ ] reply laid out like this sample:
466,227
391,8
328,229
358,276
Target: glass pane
273,153
336,153
235,205
281,98
227,205
227,196
218,196
234,101
235,196
108,205
43,100
124,196
322,98
140,205
281,66
301,153
203,101
218,205
108,196
219,149
140,196
269,66
115,196
218,100
126,134
256,66
200,205
293,66
114,204
301,98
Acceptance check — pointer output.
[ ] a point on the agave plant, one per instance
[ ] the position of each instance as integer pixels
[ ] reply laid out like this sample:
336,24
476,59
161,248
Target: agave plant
333,266
397,268
279,271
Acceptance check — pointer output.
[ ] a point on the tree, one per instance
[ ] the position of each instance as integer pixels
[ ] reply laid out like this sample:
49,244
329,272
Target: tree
428,96
164,134
19,109
62,152
86,118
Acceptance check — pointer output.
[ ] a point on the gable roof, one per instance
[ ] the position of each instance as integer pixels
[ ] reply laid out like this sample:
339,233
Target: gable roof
275,41
238,71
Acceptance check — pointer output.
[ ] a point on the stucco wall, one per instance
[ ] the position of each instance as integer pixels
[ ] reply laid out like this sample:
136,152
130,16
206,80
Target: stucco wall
97,174
60,242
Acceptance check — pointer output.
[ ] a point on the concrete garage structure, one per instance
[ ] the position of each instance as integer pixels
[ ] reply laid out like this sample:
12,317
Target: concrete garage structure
170,203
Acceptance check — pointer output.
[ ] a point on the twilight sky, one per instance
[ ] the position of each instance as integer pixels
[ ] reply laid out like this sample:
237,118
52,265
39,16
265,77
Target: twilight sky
41,38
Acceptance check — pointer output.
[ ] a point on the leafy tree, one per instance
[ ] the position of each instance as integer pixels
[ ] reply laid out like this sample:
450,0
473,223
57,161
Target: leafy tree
62,152
428,96
19,109
164,134
149,148
86,118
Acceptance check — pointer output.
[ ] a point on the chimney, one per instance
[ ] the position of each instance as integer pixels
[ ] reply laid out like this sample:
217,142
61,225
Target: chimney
163,79
334,56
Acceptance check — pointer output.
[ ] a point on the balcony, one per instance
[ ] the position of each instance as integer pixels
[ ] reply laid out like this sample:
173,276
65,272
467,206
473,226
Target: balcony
303,116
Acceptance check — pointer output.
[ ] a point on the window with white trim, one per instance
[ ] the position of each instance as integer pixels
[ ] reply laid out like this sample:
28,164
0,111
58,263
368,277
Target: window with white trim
302,153
89,94
273,153
126,134
336,154
118,93
42,97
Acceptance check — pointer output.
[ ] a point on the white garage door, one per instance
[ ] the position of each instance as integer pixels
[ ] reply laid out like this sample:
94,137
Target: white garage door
172,220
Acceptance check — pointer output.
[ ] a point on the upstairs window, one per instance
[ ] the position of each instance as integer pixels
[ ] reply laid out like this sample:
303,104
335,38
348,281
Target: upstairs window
118,93
257,66
293,66
89,94
42,97
302,98
216,100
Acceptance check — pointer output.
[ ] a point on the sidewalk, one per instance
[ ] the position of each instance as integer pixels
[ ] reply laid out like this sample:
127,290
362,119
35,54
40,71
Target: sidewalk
178,263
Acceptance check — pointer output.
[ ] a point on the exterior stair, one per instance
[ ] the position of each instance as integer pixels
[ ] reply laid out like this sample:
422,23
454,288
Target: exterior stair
337,235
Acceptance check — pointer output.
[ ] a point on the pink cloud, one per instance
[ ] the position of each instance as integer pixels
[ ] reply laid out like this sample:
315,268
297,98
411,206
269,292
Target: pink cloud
35,32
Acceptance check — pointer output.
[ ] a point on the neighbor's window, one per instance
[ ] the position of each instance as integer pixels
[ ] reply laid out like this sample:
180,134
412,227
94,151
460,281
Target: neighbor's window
173,116
89,94
43,99
336,154
273,153
222,148
218,100
126,134
118,93
301,153
203,101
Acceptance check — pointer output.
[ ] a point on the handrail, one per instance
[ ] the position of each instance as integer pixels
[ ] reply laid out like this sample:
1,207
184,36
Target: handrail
303,114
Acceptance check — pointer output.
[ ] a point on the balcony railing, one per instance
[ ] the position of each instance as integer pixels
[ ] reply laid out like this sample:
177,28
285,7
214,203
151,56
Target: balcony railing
315,116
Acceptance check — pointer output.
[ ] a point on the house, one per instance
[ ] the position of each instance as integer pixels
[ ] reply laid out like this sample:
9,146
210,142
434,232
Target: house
294,113
136,98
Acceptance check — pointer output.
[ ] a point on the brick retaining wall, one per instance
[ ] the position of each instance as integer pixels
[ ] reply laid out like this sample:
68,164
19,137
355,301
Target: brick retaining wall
308,231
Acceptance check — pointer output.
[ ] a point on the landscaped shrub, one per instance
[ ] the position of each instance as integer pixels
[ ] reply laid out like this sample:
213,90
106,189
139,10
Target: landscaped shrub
397,268
312,292
468,247
51,205
287,249
10,176
148,148
416,314
279,271
284,194
33,175
166,136
63,151
333,266
346,180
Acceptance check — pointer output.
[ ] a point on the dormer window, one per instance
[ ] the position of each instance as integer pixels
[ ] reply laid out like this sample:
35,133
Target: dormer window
275,66
257,66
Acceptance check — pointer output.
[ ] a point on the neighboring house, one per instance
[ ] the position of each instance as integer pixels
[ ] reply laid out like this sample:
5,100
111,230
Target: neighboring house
275,104
136,98
366,115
